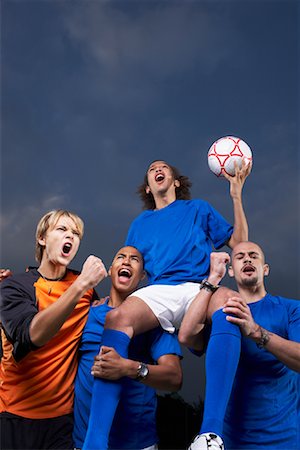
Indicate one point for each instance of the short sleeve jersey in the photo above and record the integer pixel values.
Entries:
(176, 241)
(37, 382)
(134, 425)
(262, 411)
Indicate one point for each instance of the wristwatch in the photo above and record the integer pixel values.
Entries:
(142, 371)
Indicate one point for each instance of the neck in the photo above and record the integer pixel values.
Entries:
(252, 293)
(51, 271)
(163, 200)
(116, 298)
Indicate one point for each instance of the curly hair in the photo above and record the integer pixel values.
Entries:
(182, 191)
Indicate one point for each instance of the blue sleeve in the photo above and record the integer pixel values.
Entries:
(164, 343)
(219, 229)
(131, 238)
(294, 320)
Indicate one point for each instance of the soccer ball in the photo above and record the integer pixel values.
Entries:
(224, 152)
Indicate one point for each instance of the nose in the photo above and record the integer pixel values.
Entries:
(69, 234)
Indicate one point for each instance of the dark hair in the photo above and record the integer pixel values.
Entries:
(182, 192)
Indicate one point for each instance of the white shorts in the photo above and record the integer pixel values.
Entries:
(152, 447)
(168, 302)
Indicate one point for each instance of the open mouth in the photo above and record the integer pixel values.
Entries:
(248, 269)
(67, 248)
(159, 177)
(124, 273)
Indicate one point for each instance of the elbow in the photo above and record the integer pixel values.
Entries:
(184, 338)
(174, 377)
(176, 382)
(236, 238)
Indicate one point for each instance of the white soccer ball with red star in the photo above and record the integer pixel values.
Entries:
(225, 152)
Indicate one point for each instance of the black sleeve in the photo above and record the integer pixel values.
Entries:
(17, 308)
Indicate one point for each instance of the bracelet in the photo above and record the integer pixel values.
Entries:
(264, 338)
(205, 284)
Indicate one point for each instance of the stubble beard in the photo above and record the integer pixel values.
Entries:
(250, 282)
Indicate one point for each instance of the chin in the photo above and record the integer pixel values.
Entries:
(250, 281)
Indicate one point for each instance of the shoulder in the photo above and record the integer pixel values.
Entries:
(22, 281)
(288, 303)
(99, 302)
(163, 342)
(278, 299)
(140, 218)
(194, 203)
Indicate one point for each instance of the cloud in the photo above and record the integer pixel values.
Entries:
(155, 40)
(17, 229)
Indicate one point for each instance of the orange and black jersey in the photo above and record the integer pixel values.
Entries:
(37, 382)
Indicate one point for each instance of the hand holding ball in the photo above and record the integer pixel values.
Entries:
(224, 152)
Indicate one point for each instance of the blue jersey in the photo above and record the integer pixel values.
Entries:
(262, 411)
(176, 241)
(134, 425)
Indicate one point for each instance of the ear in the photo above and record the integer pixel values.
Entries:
(109, 271)
(176, 183)
(147, 190)
(266, 270)
(230, 271)
(143, 276)
(42, 241)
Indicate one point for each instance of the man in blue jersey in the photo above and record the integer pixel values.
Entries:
(262, 409)
(154, 364)
(175, 236)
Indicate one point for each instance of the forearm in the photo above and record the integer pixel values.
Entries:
(286, 351)
(240, 228)
(165, 376)
(192, 325)
(46, 323)
(191, 328)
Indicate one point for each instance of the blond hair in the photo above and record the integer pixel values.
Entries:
(49, 220)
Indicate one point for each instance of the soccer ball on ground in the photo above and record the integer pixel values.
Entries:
(224, 152)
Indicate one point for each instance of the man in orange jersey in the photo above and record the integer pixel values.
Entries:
(43, 312)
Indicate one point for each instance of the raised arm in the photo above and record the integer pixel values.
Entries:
(240, 228)
(45, 324)
(286, 351)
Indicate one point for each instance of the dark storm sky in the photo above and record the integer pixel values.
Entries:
(92, 91)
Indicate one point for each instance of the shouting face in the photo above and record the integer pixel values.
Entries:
(248, 264)
(127, 270)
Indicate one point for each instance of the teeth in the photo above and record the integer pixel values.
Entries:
(67, 248)
(125, 273)
(159, 177)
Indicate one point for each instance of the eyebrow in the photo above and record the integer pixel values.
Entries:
(159, 163)
(131, 255)
(243, 253)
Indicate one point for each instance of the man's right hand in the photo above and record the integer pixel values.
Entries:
(93, 271)
(218, 263)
